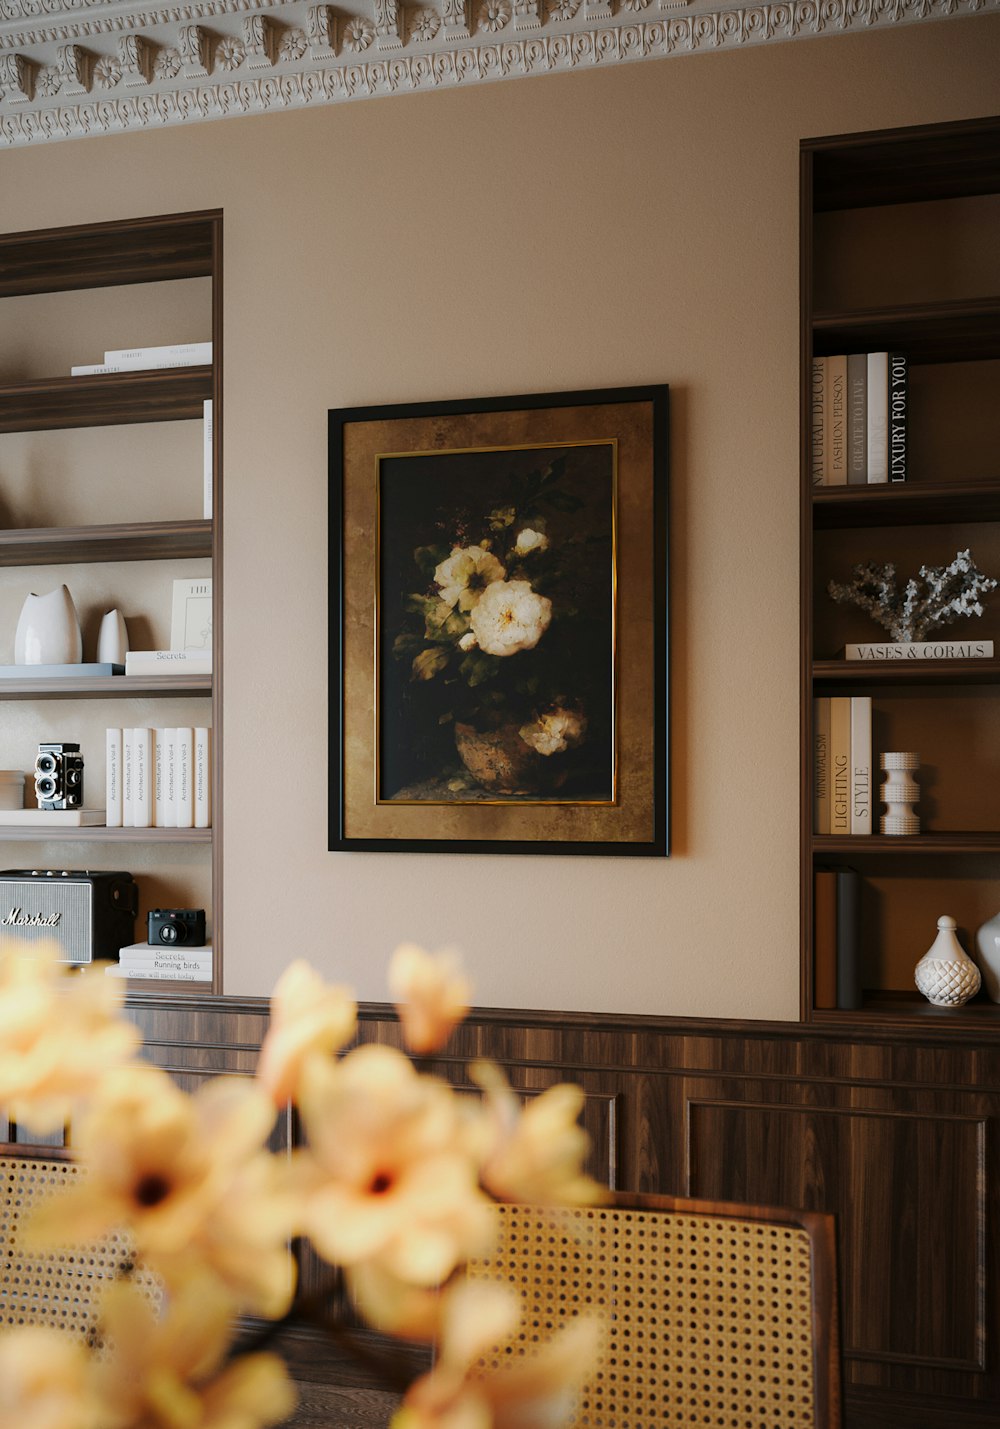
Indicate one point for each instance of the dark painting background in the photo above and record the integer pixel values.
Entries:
(444, 499)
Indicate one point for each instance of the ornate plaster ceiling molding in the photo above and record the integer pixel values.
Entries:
(70, 68)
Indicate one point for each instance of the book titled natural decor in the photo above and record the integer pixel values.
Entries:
(938, 596)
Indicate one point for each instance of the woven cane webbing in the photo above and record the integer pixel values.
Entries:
(708, 1319)
(58, 1288)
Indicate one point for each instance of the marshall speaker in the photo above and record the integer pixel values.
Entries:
(91, 915)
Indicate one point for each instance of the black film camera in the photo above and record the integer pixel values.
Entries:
(177, 927)
(59, 776)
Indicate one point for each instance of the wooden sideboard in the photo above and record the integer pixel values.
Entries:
(895, 1131)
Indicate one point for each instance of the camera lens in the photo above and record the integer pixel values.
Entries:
(45, 787)
(46, 764)
(171, 933)
(72, 776)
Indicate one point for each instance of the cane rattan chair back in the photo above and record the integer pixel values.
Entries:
(716, 1315)
(57, 1288)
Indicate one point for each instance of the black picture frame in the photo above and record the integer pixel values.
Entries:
(590, 700)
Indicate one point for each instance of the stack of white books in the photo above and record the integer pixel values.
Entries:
(136, 359)
(147, 961)
(159, 778)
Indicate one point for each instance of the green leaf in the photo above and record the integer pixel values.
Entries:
(429, 662)
(428, 558)
(405, 644)
(477, 667)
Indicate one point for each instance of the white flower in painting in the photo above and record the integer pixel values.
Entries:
(558, 730)
(468, 641)
(465, 574)
(529, 540)
(510, 616)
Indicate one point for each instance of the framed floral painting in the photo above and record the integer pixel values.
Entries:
(498, 625)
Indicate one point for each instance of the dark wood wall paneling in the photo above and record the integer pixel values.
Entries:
(895, 1135)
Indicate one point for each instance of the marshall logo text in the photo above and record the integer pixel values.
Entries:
(17, 918)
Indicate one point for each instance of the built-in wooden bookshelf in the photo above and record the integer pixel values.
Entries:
(908, 222)
(153, 250)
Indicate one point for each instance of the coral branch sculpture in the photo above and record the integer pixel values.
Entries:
(938, 597)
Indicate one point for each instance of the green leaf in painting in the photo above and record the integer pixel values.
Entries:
(429, 662)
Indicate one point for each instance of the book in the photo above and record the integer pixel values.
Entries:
(207, 460)
(128, 778)
(183, 781)
(130, 951)
(202, 769)
(168, 662)
(166, 974)
(52, 672)
(198, 353)
(825, 938)
(142, 782)
(848, 938)
(170, 778)
(817, 408)
(159, 782)
(861, 764)
(898, 415)
(878, 417)
(52, 818)
(113, 778)
(840, 764)
(97, 369)
(821, 765)
(835, 403)
(191, 615)
(921, 650)
(857, 419)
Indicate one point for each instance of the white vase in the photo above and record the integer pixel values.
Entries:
(988, 943)
(946, 975)
(48, 630)
(112, 639)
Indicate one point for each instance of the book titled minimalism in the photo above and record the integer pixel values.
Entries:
(922, 650)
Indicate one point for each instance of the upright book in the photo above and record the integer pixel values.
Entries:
(861, 764)
(857, 419)
(878, 417)
(836, 420)
(840, 764)
(898, 415)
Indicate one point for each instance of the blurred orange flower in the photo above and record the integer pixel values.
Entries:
(534, 1153)
(45, 1381)
(308, 1018)
(60, 1033)
(388, 1174)
(431, 995)
(188, 1176)
(164, 1372)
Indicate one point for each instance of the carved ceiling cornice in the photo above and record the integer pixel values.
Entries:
(70, 68)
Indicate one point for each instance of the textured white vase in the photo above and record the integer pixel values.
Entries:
(988, 943)
(946, 975)
(112, 639)
(48, 630)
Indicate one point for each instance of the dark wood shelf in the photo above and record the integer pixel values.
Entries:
(97, 833)
(910, 845)
(892, 1008)
(905, 672)
(165, 394)
(905, 504)
(905, 166)
(103, 687)
(143, 250)
(926, 332)
(130, 541)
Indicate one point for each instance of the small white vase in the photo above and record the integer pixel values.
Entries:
(946, 975)
(988, 943)
(112, 639)
(48, 630)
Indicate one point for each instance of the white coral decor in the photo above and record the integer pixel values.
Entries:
(510, 616)
(947, 593)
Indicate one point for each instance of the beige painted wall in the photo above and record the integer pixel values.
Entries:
(635, 224)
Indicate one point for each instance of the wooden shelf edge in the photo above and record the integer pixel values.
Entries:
(909, 845)
(906, 672)
(152, 394)
(925, 313)
(105, 687)
(99, 833)
(125, 541)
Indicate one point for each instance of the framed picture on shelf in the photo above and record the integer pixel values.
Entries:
(191, 615)
(498, 625)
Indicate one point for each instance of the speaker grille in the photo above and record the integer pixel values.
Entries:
(41, 898)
